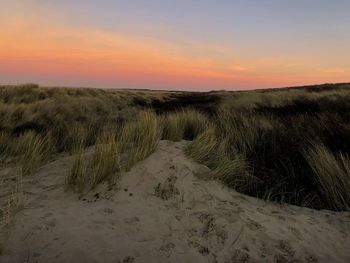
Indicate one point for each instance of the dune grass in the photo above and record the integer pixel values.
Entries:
(256, 142)
(183, 124)
(131, 143)
(76, 178)
(105, 164)
(331, 174)
(115, 150)
(6, 147)
(236, 174)
(138, 139)
(60, 110)
(261, 153)
(232, 169)
(33, 150)
(206, 148)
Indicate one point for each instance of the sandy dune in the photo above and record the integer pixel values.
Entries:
(164, 213)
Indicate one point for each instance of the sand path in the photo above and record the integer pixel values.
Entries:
(164, 213)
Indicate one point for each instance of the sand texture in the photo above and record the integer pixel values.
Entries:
(163, 212)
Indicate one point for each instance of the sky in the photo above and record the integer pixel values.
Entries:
(179, 45)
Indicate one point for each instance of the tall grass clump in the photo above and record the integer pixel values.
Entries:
(206, 148)
(331, 176)
(174, 127)
(233, 169)
(33, 150)
(76, 179)
(6, 146)
(105, 164)
(185, 124)
(236, 174)
(242, 130)
(138, 139)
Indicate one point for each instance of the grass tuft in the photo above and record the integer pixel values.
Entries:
(185, 124)
(33, 150)
(331, 175)
(105, 164)
(76, 178)
(138, 139)
(206, 149)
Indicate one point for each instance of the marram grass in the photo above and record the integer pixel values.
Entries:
(331, 175)
(138, 139)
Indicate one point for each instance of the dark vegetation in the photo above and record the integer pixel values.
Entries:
(204, 102)
(289, 145)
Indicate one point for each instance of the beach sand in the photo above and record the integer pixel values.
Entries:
(163, 212)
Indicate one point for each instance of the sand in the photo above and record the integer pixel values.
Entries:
(163, 212)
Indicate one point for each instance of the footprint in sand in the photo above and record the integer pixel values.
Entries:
(254, 226)
(167, 248)
(240, 256)
(212, 229)
(285, 247)
(47, 215)
(107, 210)
(167, 189)
(295, 232)
(128, 259)
(51, 223)
(132, 220)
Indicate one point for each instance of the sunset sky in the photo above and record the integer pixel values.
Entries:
(175, 44)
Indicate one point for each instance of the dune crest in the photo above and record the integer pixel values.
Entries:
(163, 212)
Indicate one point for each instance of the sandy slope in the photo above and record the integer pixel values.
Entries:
(164, 213)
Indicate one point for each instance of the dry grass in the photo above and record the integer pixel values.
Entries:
(105, 165)
(234, 170)
(255, 144)
(76, 178)
(138, 139)
(331, 175)
(206, 148)
(235, 173)
(33, 150)
(185, 124)
(6, 147)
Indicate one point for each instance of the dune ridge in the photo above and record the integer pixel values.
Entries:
(163, 211)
